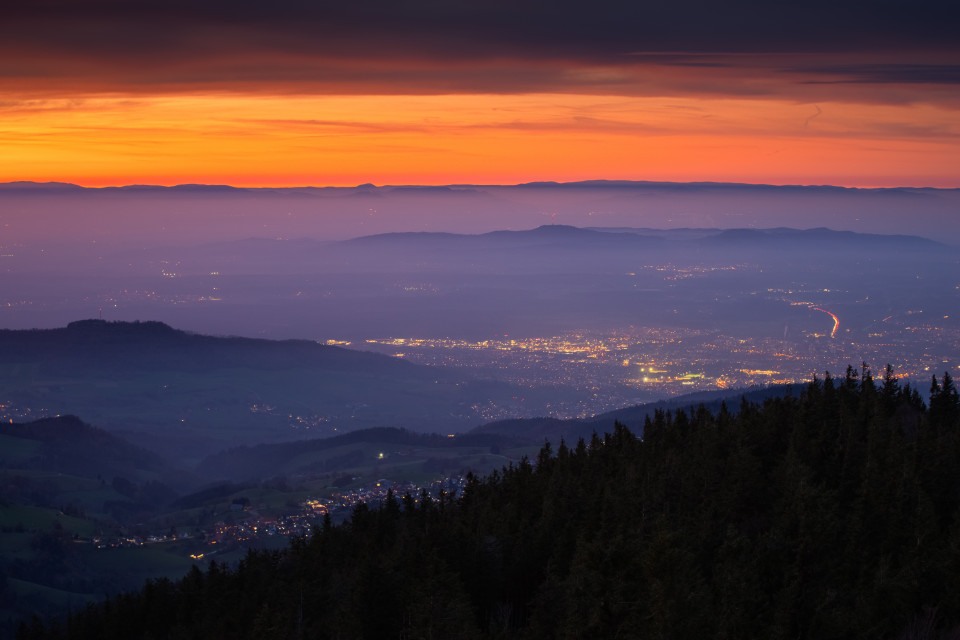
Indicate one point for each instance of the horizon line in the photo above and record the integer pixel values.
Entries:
(595, 182)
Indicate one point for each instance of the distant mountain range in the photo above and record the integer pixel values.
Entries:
(189, 213)
(186, 395)
(566, 236)
(59, 187)
(554, 248)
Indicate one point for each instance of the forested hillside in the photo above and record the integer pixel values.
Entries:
(833, 514)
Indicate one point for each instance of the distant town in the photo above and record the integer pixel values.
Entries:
(242, 524)
(639, 364)
(633, 365)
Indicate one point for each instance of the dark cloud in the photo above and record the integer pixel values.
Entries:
(483, 28)
(490, 45)
(886, 73)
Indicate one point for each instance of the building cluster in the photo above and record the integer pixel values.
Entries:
(640, 364)
(246, 527)
(13, 412)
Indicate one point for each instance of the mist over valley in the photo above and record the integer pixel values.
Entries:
(214, 370)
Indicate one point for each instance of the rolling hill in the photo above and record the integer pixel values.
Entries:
(185, 395)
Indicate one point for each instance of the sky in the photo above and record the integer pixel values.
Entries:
(290, 93)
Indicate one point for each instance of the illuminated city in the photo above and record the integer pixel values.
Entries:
(640, 364)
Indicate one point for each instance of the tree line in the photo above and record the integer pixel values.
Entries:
(832, 513)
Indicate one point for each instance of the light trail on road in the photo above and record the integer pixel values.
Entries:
(836, 320)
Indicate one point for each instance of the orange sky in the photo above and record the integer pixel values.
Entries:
(252, 105)
(100, 140)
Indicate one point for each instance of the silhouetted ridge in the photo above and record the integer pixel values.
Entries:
(41, 187)
(93, 327)
(819, 238)
(151, 343)
(69, 445)
(547, 236)
(263, 460)
(536, 430)
(194, 189)
(571, 238)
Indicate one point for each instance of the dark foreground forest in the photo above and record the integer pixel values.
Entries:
(829, 515)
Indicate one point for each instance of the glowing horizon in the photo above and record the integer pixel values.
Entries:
(286, 141)
(107, 93)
